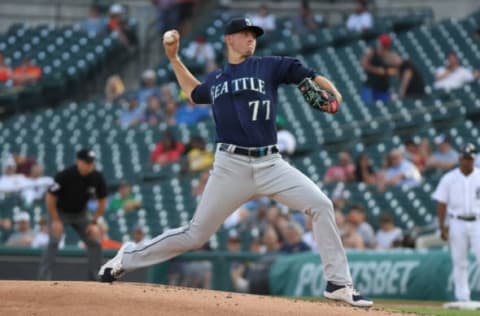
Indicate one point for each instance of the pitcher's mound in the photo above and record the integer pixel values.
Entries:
(90, 298)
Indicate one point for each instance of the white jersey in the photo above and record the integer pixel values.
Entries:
(461, 193)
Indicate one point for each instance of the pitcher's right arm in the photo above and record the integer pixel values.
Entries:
(185, 78)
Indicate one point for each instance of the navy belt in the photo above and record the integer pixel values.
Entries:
(468, 218)
(249, 152)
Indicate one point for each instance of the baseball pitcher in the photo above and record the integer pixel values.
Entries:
(247, 164)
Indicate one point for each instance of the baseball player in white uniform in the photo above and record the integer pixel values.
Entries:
(247, 164)
(458, 207)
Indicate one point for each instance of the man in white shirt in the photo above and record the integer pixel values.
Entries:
(10, 181)
(286, 141)
(400, 171)
(444, 157)
(264, 19)
(361, 20)
(388, 236)
(453, 75)
(201, 52)
(458, 202)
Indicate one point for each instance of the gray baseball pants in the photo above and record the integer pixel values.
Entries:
(234, 180)
(80, 223)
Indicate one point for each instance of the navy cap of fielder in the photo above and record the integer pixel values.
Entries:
(86, 154)
(240, 24)
(468, 151)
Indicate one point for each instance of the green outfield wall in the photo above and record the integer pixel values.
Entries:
(397, 274)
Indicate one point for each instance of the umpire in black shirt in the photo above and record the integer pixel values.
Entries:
(66, 202)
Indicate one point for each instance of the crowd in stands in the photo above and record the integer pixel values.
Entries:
(116, 21)
(24, 74)
(157, 106)
(174, 14)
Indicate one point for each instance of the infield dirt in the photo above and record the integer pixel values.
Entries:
(133, 299)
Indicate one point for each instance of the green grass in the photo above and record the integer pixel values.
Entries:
(412, 306)
(433, 311)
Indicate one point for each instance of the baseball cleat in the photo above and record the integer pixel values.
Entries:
(112, 270)
(347, 294)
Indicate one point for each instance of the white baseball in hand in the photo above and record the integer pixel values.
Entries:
(169, 37)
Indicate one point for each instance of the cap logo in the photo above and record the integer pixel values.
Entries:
(91, 153)
(248, 22)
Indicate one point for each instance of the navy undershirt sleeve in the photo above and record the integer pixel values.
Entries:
(200, 94)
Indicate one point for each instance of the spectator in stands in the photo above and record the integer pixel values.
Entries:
(198, 157)
(304, 22)
(138, 234)
(412, 84)
(132, 114)
(190, 114)
(114, 88)
(200, 186)
(292, 235)
(148, 87)
(166, 93)
(153, 113)
(233, 241)
(37, 186)
(416, 154)
(169, 113)
(340, 196)
(27, 73)
(168, 150)
(124, 199)
(351, 239)
(167, 15)
(308, 234)
(24, 164)
(286, 142)
(361, 20)
(364, 171)
(343, 171)
(399, 172)
(105, 241)
(5, 70)
(5, 229)
(264, 19)
(95, 24)
(444, 157)
(10, 181)
(357, 217)
(253, 277)
(40, 240)
(339, 219)
(270, 240)
(201, 52)
(388, 236)
(380, 63)
(118, 24)
(23, 235)
(453, 75)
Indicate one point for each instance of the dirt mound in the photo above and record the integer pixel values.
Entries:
(89, 298)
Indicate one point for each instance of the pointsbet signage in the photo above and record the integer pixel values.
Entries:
(400, 274)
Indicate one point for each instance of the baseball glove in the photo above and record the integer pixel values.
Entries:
(318, 98)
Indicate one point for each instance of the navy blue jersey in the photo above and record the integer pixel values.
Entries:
(244, 98)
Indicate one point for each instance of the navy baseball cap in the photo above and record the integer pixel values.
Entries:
(468, 151)
(239, 24)
(86, 154)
